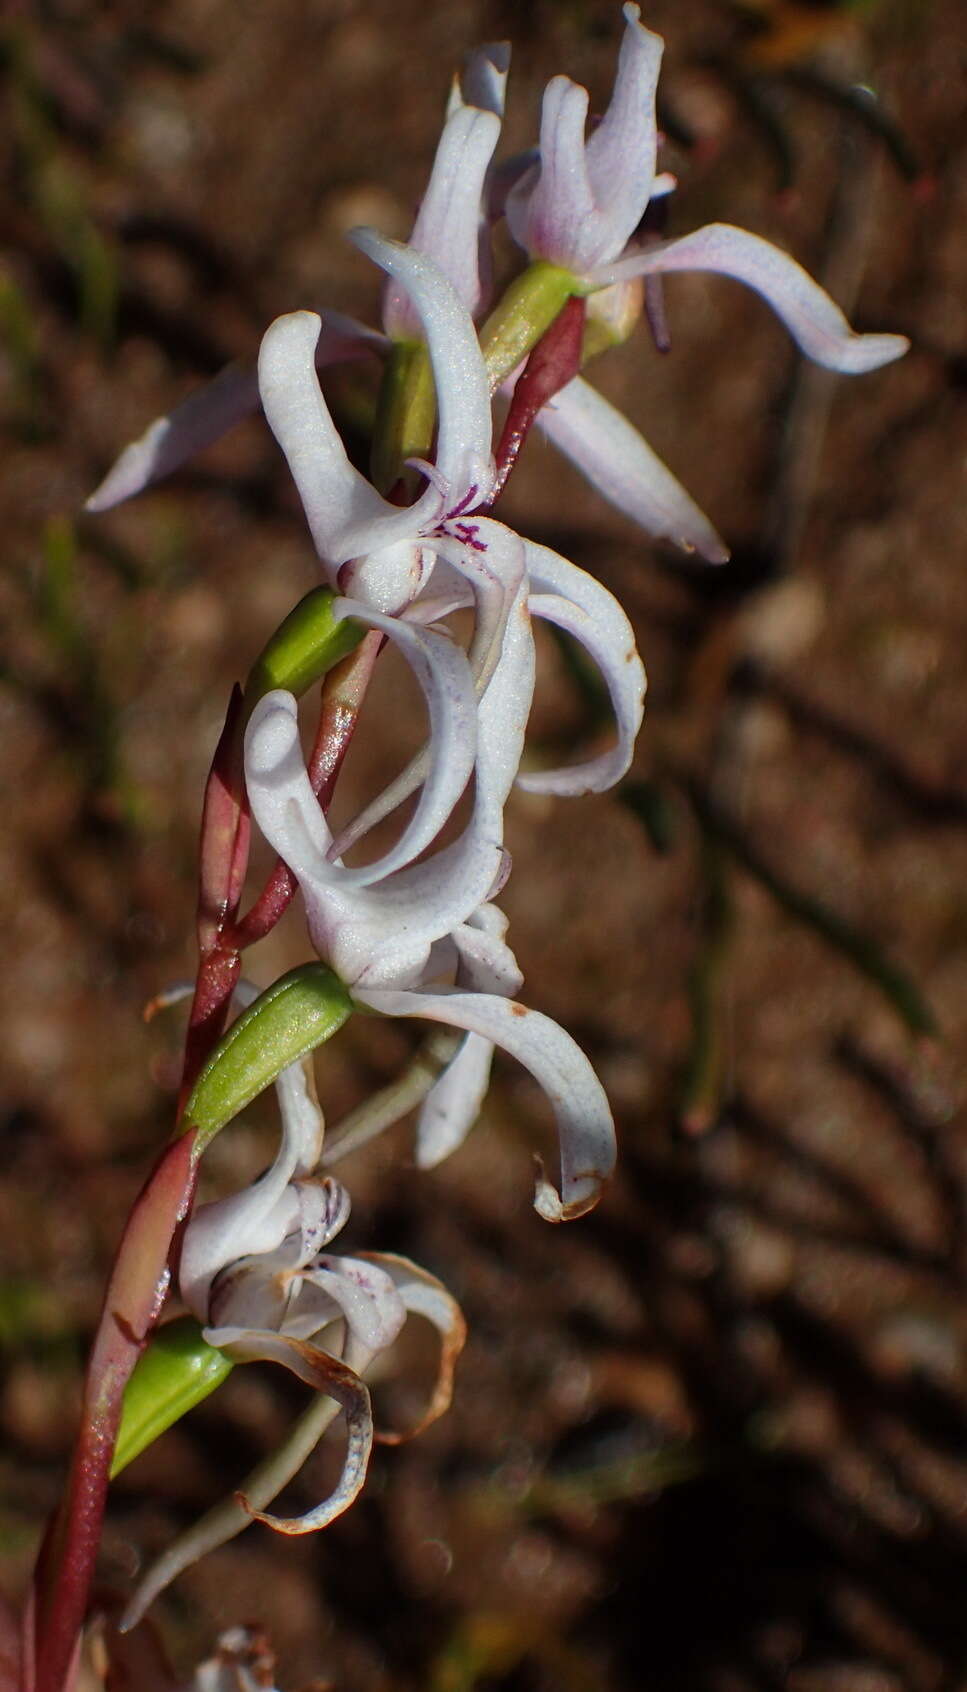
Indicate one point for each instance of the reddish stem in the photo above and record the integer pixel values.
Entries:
(555, 361)
(141, 1274)
(225, 830)
(135, 1294)
(218, 973)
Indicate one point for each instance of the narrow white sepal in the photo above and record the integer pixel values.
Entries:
(814, 321)
(210, 411)
(616, 459)
(448, 224)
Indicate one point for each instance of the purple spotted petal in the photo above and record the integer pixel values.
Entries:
(351, 1288)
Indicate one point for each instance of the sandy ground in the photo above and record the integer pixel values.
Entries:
(713, 1436)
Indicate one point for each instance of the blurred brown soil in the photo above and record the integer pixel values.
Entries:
(713, 1436)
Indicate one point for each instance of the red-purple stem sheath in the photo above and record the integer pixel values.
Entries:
(135, 1294)
(554, 361)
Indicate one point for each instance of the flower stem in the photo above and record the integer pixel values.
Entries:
(132, 1303)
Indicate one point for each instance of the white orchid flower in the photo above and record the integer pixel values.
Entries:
(581, 201)
(378, 928)
(347, 517)
(256, 1272)
(579, 206)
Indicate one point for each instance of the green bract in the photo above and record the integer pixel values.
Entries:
(297, 1013)
(307, 644)
(178, 1370)
(525, 313)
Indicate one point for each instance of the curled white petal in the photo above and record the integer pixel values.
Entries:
(383, 931)
(444, 675)
(463, 457)
(576, 602)
(327, 1375)
(584, 1121)
(621, 465)
(345, 514)
(361, 1293)
(505, 707)
(491, 560)
(229, 1517)
(424, 1295)
(485, 964)
(814, 321)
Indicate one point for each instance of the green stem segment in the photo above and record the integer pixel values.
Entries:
(524, 314)
(405, 413)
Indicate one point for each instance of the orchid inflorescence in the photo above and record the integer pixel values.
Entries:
(416, 932)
